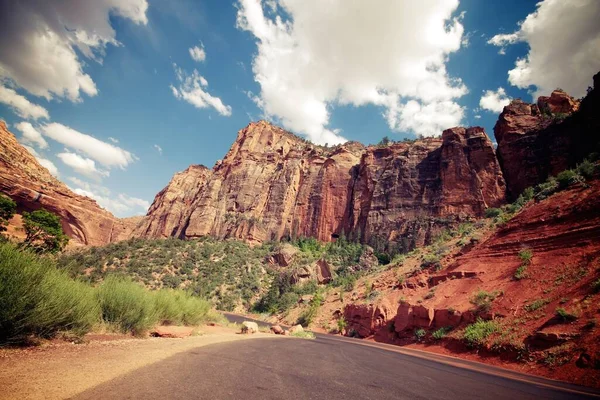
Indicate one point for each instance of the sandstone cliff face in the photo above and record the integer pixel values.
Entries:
(29, 184)
(172, 206)
(402, 190)
(273, 185)
(539, 140)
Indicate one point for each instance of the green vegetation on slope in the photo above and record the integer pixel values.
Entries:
(39, 300)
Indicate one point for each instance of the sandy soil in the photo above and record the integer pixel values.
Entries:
(59, 370)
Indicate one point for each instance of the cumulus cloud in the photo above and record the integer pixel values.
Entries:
(197, 53)
(122, 205)
(20, 105)
(31, 135)
(112, 139)
(44, 162)
(494, 101)
(353, 52)
(82, 165)
(158, 148)
(564, 43)
(105, 153)
(41, 41)
(192, 88)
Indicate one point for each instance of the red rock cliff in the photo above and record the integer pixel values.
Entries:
(29, 184)
(273, 185)
(539, 140)
(401, 191)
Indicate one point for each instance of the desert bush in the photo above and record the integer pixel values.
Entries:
(526, 255)
(38, 299)
(420, 334)
(441, 333)
(7, 209)
(483, 300)
(521, 273)
(586, 169)
(535, 305)
(431, 260)
(564, 315)
(476, 333)
(126, 305)
(567, 178)
(493, 212)
(303, 335)
(310, 313)
(341, 325)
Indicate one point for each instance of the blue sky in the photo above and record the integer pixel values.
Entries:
(129, 80)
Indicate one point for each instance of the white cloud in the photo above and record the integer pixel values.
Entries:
(44, 162)
(82, 165)
(477, 116)
(31, 135)
(192, 88)
(107, 154)
(353, 52)
(20, 105)
(90, 187)
(122, 205)
(41, 41)
(197, 53)
(112, 139)
(159, 149)
(494, 101)
(564, 47)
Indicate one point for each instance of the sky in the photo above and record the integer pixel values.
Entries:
(115, 96)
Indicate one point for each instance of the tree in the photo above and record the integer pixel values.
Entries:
(385, 141)
(44, 232)
(7, 210)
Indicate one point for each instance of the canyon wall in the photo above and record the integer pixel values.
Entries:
(32, 186)
(273, 185)
(539, 140)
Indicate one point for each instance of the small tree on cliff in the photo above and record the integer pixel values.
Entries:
(7, 210)
(44, 232)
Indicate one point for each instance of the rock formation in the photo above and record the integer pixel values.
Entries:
(273, 185)
(539, 140)
(29, 184)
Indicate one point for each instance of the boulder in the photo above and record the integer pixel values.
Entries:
(296, 329)
(323, 270)
(278, 330)
(284, 255)
(249, 327)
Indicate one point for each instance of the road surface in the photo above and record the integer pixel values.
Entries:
(328, 367)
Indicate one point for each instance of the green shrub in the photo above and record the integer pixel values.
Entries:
(309, 315)
(493, 212)
(586, 169)
(526, 255)
(476, 334)
(564, 315)
(521, 273)
(341, 324)
(127, 305)
(441, 333)
(483, 300)
(567, 178)
(303, 335)
(431, 260)
(176, 307)
(420, 334)
(536, 305)
(37, 299)
(544, 190)
(7, 209)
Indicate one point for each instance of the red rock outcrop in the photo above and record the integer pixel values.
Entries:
(172, 206)
(29, 184)
(273, 185)
(539, 140)
(403, 189)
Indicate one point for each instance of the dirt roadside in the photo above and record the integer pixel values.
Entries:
(62, 370)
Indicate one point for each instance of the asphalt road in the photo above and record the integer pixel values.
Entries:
(325, 368)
